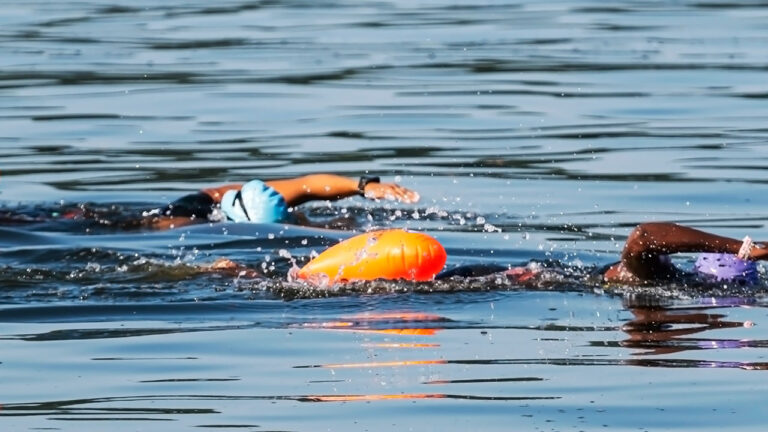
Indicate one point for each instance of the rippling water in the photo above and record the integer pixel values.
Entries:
(533, 130)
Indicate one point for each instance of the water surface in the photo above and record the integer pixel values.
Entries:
(533, 131)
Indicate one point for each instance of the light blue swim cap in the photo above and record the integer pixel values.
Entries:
(727, 267)
(254, 202)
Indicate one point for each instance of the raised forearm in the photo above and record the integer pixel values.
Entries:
(668, 238)
(299, 190)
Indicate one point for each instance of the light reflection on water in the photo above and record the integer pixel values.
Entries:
(244, 372)
(533, 131)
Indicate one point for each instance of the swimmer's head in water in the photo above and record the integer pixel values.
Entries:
(727, 268)
(254, 202)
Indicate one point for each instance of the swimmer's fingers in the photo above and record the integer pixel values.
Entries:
(224, 264)
(390, 191)
(759, 252)
(520, 274)
(229, 267)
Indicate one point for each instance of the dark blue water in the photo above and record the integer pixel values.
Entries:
(533, 131)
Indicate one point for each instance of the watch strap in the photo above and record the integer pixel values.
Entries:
(364, 180)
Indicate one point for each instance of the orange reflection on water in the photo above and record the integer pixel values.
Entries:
(382, 364)
(353, 323)
(400, 345)
(402, 316)
(348, 326)
(407, 331)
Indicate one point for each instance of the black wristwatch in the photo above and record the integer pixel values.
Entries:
(364, 180)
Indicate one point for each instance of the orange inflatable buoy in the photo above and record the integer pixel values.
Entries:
(389, 254)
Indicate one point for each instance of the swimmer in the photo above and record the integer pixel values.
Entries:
(646, 255)
(269, 201)
(646, 258)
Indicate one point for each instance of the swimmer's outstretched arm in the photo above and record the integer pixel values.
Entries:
(649, 242)
(324, 187)
(333, 187)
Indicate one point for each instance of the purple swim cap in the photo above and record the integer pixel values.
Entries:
(727, 267)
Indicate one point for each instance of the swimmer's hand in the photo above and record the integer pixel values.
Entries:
(752, 251)
(521, 274)
(390, 191)
(229, 267)
(759, 252)
(224, 264)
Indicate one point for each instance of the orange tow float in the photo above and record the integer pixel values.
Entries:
(389, 254)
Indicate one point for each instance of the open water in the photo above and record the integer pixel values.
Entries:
(534, 131)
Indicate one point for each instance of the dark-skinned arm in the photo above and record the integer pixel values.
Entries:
(644, 254)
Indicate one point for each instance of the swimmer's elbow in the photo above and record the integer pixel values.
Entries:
(634, 244)
(645, 238)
